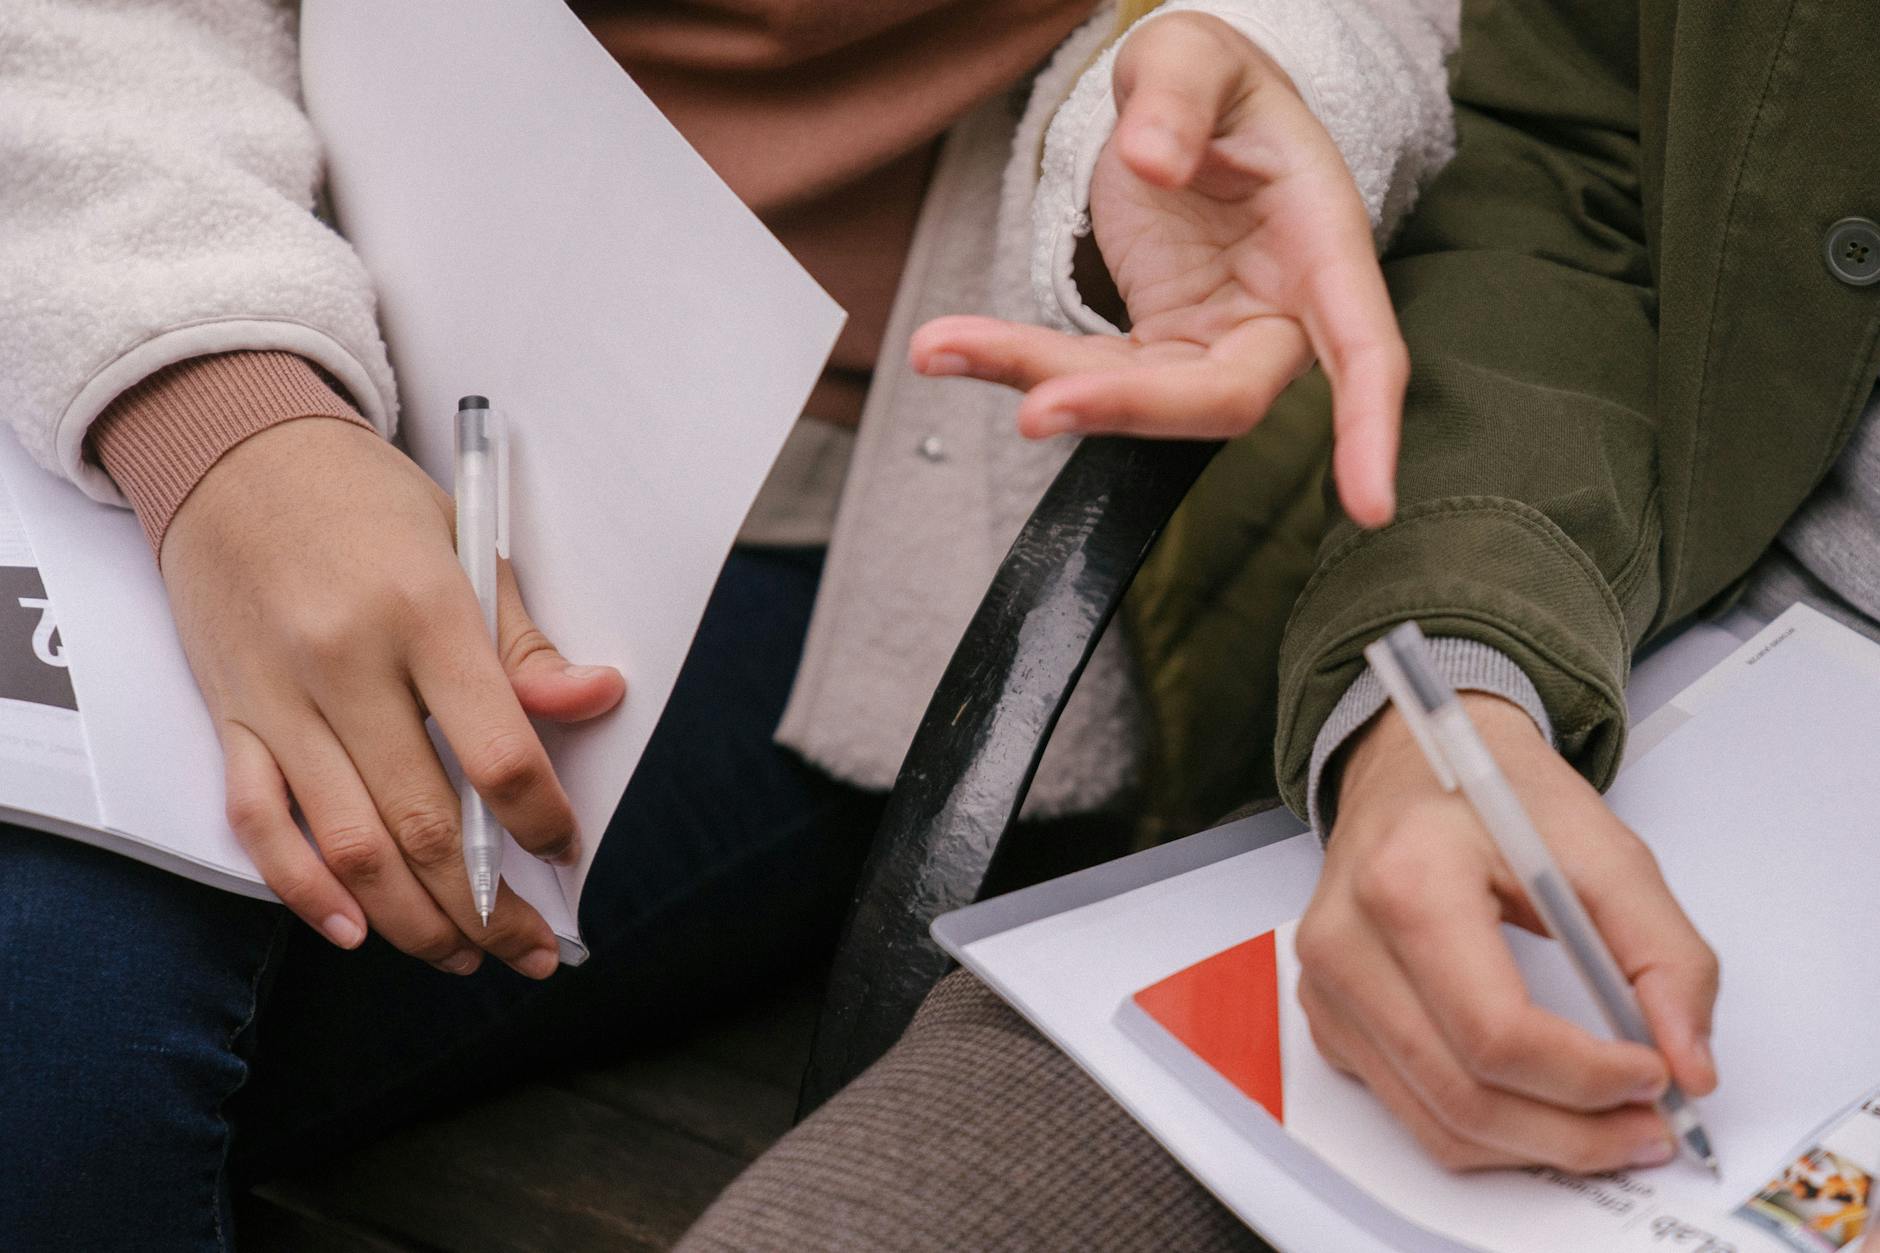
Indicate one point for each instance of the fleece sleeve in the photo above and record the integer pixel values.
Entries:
(1373, 71)
(157, 184)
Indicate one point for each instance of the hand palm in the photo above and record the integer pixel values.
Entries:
(1207, 267)
(1241, 249)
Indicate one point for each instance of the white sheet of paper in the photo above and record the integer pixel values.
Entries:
(1760, 806)
(541, 235)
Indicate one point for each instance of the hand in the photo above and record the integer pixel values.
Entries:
(315, 585)
(1241, 248)
(1408, 985)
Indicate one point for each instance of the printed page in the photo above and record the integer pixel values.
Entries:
(539, 234)
(1759, 807)
(155, 764)
(45, 768)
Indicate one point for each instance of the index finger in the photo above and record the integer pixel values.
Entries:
(1353, 332)
(462, 682)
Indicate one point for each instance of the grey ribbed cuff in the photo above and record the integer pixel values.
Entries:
(1469, 666)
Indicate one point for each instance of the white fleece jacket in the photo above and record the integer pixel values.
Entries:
(158, 185)
(157, 192)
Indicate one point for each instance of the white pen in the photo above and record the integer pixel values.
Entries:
(1456, 753)
(482, 491)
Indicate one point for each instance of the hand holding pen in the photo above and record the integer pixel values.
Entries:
(1409, 985)
(316, 591)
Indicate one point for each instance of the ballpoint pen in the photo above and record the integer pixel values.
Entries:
(1459, 757)
(482, 490)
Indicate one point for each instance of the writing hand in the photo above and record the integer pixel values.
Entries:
(1409, 986)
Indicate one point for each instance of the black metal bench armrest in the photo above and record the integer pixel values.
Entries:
(972, 759)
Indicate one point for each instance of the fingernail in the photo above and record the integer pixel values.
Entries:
(583, 672)
(1646, 1093)
(540, 964)
(945, 363)
(459, 963)
(1055, 422)
(1655, 1152)
(343, 931)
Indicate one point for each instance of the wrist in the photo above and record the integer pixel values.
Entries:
(160, 438)
(1384, 761)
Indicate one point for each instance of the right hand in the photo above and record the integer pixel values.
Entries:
(1409, 986)
(314, 582)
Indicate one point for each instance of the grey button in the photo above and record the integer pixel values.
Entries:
(1853, 251)
(932, 449)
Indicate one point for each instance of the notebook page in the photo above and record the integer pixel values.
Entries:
(1760, 808)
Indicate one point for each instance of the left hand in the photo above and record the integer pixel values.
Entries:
(1242, 250)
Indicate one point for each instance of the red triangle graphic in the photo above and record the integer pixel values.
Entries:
(1226, 1010)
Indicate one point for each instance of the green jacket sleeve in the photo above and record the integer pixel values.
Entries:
(1528, 515)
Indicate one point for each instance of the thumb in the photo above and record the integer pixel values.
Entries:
(1174, 79)
(547, 684)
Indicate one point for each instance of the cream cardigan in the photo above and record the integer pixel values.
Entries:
(158, 186)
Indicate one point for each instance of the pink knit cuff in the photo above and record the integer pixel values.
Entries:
(160, 437)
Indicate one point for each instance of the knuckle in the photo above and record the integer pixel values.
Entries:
(355, 852)
(1489, 1043)
(1313, 943)
(1709, 969)
(297, 887)
(1392, 884)
(1450, 1153)
(525, 644)
(510, 937)
(428, 833)
(329, 639)
(433, 943)
(248, 814)
(507, 767)
(1464, 1107)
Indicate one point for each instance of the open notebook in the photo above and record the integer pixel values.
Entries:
(1756, 790)
(651, 343)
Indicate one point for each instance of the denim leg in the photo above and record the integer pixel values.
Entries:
(125, 997)
(728, 863)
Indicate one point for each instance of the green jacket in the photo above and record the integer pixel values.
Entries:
(1631, 361)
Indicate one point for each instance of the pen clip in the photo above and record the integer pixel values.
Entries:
(499, 439)
(1403, 695)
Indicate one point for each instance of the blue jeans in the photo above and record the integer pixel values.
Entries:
(162, 1044)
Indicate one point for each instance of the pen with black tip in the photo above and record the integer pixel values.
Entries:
(482, 491)
(1456, 753)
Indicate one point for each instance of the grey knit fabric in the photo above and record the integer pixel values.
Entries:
(973, 1133)
(1467, 665)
